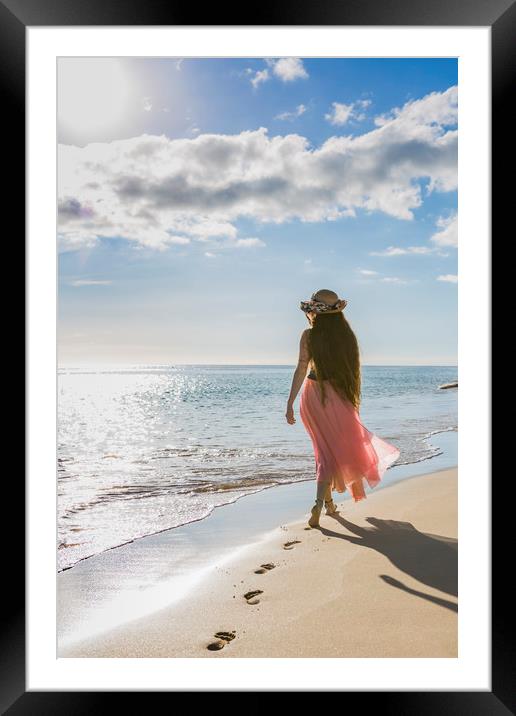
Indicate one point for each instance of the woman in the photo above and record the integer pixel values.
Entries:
(346, 452)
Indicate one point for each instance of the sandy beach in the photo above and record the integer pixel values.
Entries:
(377, 579)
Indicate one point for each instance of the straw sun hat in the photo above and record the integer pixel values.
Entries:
(323, 301)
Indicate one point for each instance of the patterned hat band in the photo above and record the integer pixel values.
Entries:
(313, 306)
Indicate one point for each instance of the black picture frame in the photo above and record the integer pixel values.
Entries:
(500, 16)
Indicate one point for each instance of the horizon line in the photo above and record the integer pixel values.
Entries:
(285, 365)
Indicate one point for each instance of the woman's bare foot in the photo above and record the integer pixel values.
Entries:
(331, 507)
(316, 513)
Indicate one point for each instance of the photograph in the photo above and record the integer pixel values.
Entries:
(249, 302)
(257, 357)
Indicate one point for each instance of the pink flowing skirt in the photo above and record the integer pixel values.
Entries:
(346, 452)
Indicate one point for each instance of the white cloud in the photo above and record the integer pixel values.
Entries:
(147, 106)
(420, 250)
(76, 240)
(209, 228)
(342, 113)
(179, 63)
(399, 251)
(234, 243)
(299, 110)
(363, 104)
(178, 240)
(449, 277)
(376, 276)
(288, 68)
(438, 107)
(209, 254)
(389, 251)
(393, 279)
(448, 231)
(89, 282)
(446, 236)
(259, 77)
(249, 242)
(150, 188)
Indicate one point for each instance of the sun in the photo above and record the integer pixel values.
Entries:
(92, 94)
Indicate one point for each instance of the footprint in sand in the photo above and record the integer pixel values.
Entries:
(264, 568)
(223, 638)
(290, 545)
(250, 596)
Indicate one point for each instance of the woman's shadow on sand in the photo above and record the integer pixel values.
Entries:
(429, 558)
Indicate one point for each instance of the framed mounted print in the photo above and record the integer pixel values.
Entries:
(258, 262)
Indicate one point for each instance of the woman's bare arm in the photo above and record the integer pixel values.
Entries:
(299, 374)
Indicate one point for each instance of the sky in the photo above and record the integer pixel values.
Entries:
(199, 200)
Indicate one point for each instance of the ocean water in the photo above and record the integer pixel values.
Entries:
(143, 448)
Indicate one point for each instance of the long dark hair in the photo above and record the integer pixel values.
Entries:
(335, 355)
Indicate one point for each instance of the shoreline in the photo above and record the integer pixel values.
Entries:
(384, 482)
(137, 584)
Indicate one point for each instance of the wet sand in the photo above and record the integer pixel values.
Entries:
(376, 579)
